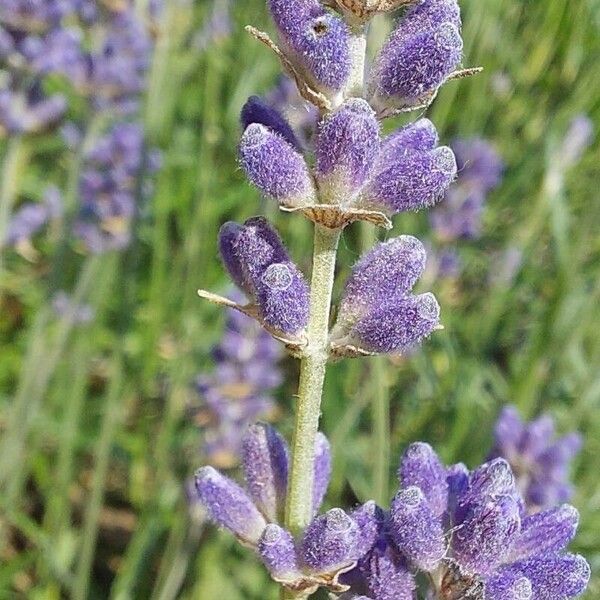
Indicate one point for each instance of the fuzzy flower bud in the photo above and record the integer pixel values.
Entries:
(259, 264)
(346, 149)
(278, 553)
(275, 167)
(322, 470)
(315, 41)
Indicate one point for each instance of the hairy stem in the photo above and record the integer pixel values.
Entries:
(299, 509)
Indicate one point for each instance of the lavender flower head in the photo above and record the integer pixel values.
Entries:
(109, 186)
(330, 545)
(539, 460)
(239, 389)
(468, 532)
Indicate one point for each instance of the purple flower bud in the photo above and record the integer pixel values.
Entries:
(421, 467)
(316, 41)
(428, 14)
(417, 180)
(416, 530)
(492, 479)
(322, 470)
(275, 167)
(458, 484)
(547, 532)
(398, 326)
(389, 270)
(554, 576)
(369, 518)
(331, 542)
(346, 149)
(508, 586)
(258, 111)
(278, 553)
(486, 535)
(411, 66)
(229, 506)
(265, 462)
(388, 576)
(259, 264)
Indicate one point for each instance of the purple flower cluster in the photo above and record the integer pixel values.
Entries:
(110, 185)
(329, 546)
(479, 172)
(538, 459)
(420, 54)
(468, 532)
(238, 391)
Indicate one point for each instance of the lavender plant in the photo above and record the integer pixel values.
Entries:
(463, 534)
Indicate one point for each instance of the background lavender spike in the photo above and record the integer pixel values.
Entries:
(239, 390)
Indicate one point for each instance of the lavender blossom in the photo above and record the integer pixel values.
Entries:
(259, 264)
(481, 545)
(315, 41)
(109, 186)
(239, 390)
(30, 218)
(419, 55)
(377, 312)
(539, 460)
(64, 306)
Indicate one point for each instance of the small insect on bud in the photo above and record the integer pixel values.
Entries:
(315, 41)
(275, 167)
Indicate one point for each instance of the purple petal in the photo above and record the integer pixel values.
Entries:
(277, 551)
(258, 111)
(388, 576)
(508, 586)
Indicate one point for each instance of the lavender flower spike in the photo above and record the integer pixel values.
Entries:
(315, 41)
(259, 264)
(275, 167)
(229, 506)
(541, 463)
(418, 56)
(346, 149)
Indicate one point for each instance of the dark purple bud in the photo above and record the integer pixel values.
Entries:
(415, 181)
(416, 530)
(265, 463)
(346, 149)
(278, 553)
(421, 467)
(410, 67)
(331, 542)
(229, 506)
(554, 576)
(486, 535)
(388, 576)
(508, 586)
(275, 167)
(398, 326)
(258, 111)
(369, 518)
(458, 484)
(259, 264)
(322, 470)
(547, 532)
(390, 269)
(316, 41)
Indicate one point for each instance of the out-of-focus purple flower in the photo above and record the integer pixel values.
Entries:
(109, 186)
(34, 15)
(260, 266)
(419, 55)
(377, 311)
(479, 172)
(480, 545)
(29, 113)
(539, 460)
(316, 42)
(217, 26)
(239, 390)
(64, 306)
(32, 216)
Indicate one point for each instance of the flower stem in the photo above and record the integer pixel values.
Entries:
(299, 509)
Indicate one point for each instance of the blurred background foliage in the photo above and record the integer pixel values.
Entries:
(97, 506)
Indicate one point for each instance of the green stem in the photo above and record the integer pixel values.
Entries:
(299, 510)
